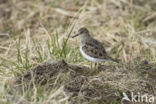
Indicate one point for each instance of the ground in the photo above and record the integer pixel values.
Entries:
(36, 34)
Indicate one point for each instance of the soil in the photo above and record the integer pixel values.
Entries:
(93, 87)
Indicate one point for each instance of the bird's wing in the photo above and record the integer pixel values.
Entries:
(95, 49)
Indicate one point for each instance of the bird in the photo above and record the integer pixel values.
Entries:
(91, 49)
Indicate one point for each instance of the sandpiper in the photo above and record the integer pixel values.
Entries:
(92, 49)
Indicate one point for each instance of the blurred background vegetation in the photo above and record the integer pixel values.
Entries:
(33, 31)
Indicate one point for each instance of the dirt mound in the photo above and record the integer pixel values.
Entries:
(106, 86)
(42, 73)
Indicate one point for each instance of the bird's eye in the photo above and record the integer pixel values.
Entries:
(81, 32)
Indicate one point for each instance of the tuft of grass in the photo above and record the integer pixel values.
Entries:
(64, 50)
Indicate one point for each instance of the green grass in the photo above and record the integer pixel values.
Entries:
(35, 94)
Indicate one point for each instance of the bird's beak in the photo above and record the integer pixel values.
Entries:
(75, 35)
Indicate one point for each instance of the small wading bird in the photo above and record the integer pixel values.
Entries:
(92, 49)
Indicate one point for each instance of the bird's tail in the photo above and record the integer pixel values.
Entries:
(114, 60)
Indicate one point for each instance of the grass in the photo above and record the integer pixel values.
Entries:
(40, 30)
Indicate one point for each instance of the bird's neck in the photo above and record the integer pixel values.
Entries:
(84, 38)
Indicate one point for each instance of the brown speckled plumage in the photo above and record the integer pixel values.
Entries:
(91, 47)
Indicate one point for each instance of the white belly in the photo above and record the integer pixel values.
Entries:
(95, 60)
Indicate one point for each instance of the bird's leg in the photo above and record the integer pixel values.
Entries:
(96, 68)
(95, 65)
(92, 69)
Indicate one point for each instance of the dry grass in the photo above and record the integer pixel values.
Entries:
(34, 31)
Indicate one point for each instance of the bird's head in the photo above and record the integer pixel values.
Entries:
(82, 32)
